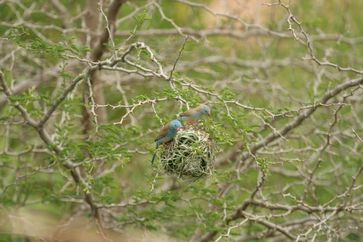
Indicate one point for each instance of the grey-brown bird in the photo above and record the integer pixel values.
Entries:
(193, 115)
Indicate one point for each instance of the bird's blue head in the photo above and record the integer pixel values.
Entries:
(204, 109)
(175, 124)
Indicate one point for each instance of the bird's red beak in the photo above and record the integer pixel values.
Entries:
(178, 129)
(209, 114)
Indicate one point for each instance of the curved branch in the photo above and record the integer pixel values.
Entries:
(239, 212)
(295, 123)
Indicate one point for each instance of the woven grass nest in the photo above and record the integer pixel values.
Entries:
(190, 154)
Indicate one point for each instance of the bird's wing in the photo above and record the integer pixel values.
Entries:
(189, 113)
(163, 132)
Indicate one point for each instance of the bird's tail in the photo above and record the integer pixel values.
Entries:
(154, 156)
(181, 119)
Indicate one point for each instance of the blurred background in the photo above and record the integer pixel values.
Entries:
(87, 85)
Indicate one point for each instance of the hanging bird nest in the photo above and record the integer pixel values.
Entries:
(190, 154)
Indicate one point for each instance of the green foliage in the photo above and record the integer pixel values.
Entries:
(140, 19)
(257, 79)
(262, 164)
(27, 39)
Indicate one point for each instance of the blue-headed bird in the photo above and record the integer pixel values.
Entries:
(193, 115)
(167, 134)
